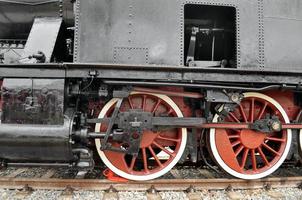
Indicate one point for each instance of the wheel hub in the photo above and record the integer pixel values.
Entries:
(251, 139)
(148, 138)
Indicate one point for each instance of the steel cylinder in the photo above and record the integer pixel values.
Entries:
(36, 143)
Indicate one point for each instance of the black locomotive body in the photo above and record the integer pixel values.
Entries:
(144, 85)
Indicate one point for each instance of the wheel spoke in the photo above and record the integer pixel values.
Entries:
(233, 136)
(276, 139)
(243, 113)
(238, 150)
(145, 159)
(270, 149)
(168, 139)
(170, 111)
(263, 156)
(144, 102)
(130, 102)
(132, 162)
(262, 110)
(235, 143)
(234, 117)
(163, 149)
(156, 105)
(252, 110)
(254, 162)
(155, 156)
(244, 158)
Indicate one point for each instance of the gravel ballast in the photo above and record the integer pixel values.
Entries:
(284, 193)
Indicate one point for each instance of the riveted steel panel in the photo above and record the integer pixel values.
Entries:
(283, 28)
(130, 55)
(108, 26)
(157, 25)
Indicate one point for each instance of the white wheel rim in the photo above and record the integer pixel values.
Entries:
(150, 176)
(229, 170)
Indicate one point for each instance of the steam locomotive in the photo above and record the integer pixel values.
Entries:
(140, 86)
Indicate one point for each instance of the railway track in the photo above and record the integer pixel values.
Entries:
(179, 179)
(157, 185)
(27, 180)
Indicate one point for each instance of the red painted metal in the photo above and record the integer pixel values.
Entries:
(111, 176)
(152, 142)
(239, 148)
(186, 109)
(245, 125)
(226, 125)
(286, 100)
(194, 95)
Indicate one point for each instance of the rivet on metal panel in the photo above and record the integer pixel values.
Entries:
(61, 8)
(261, 32)
(130, 23)
(76, 32)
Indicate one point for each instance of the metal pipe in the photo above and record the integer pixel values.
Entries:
(170, 93)
(192, 85)
(213, 48)
(95, 135)
(28, 3)
(39, 164)
(213, 44)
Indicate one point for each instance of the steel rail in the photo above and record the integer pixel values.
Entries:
(159, 185)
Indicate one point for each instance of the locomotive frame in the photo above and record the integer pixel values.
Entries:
(174, 93)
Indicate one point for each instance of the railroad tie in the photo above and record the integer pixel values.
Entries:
(206, 173)
(111, 194)
(152, 194)
(175, 173)
(275, 195)
(49, 173)
(16, 172)
(192, 194)
(235, 195)
(67, 193)
(24, 192)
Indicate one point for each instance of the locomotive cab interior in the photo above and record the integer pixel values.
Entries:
(210, 36)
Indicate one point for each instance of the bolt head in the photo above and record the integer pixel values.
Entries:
(276, 126)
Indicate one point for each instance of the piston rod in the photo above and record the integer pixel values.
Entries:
(177, 122)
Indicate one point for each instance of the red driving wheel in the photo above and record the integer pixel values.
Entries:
(158, 152)
(246, 153)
